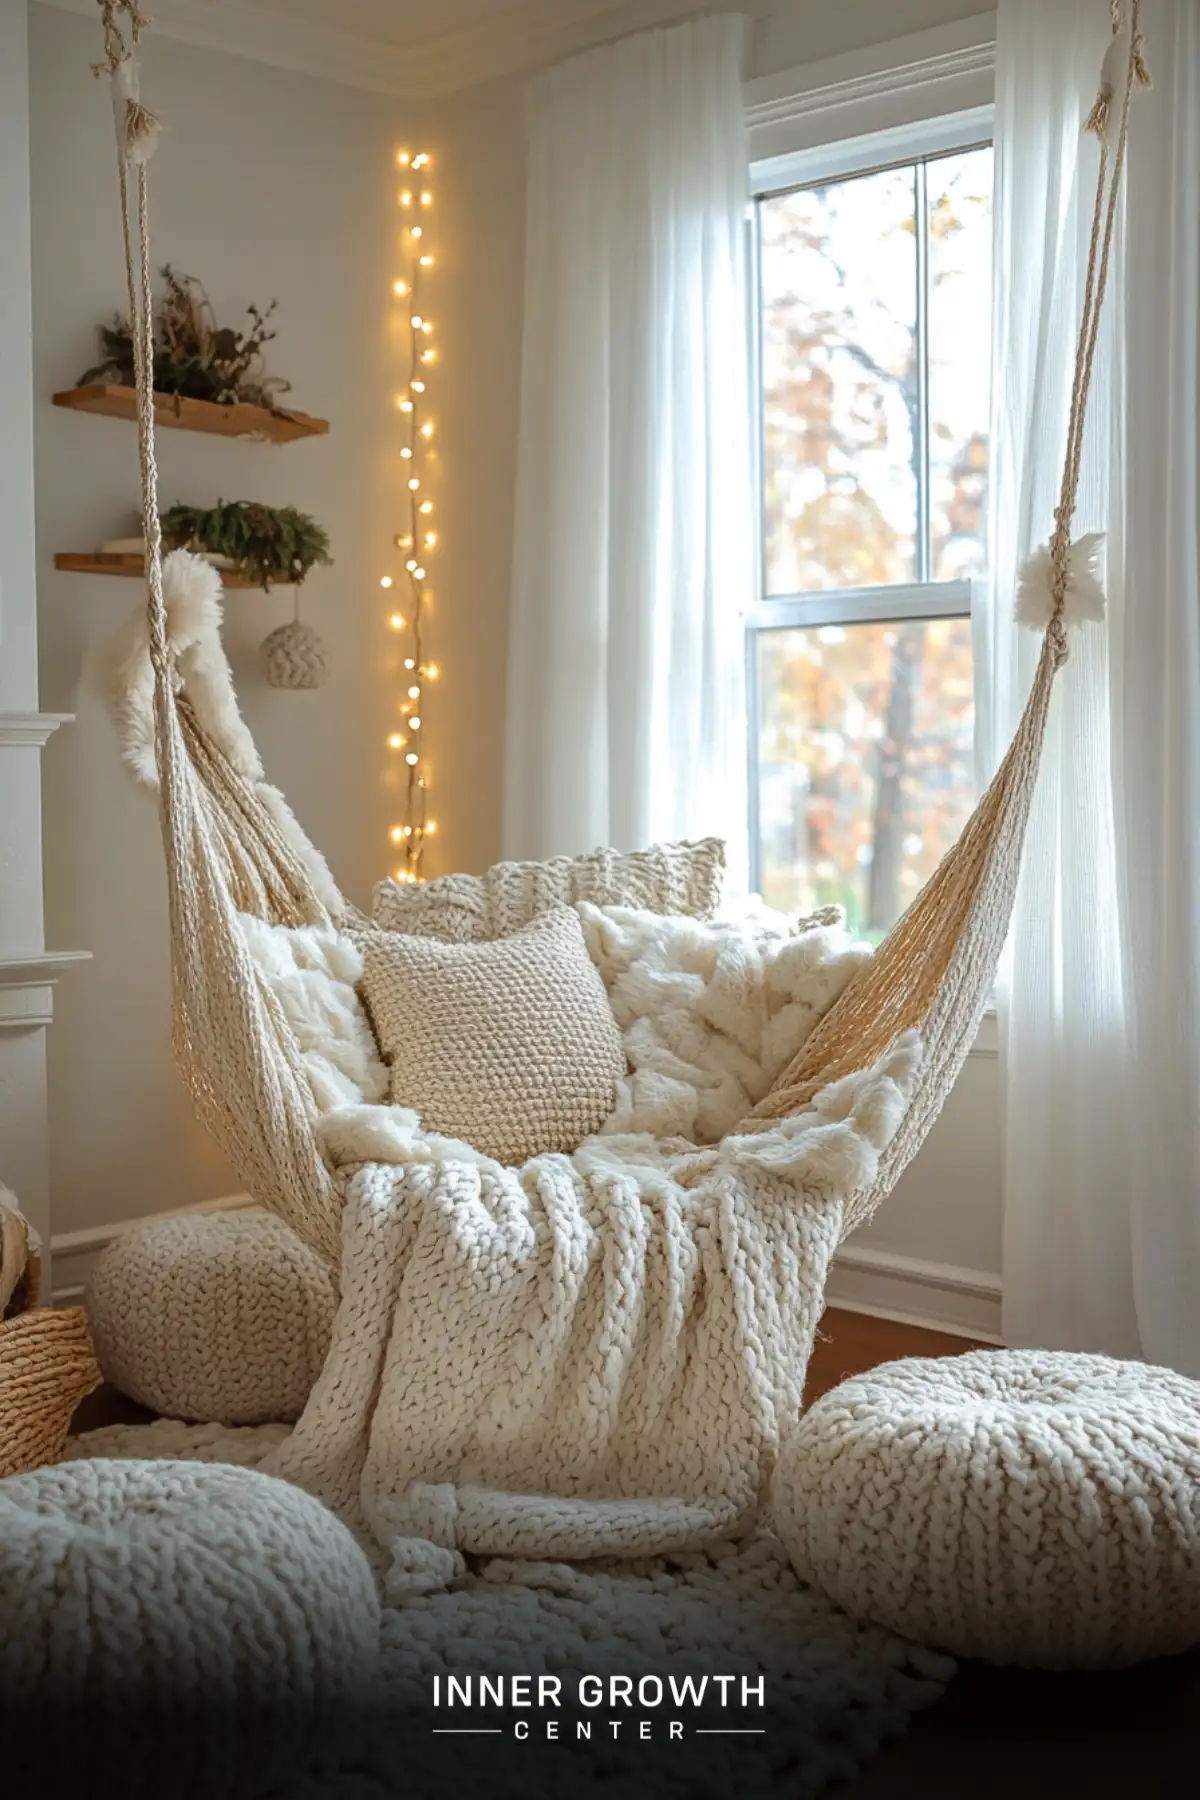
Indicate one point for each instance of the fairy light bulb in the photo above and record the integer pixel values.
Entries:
(426, 325)
(421, 161)
(426, 262)
(385, 581)
(409, 663)
(402, 159)
(404, 543)
(429, 356)
(416, 321)
(416, 232)
(406, 196)
(418, 574)
(426, 506)
(426, 197)
(418, 387)
(395, 741)
(397, 622)
(431, 828)
(414, 693)
(427, 429)
(411, 564)
(396, 834)
(432, 672)
(405, 406)
(430, 539)
(415, 722)
(399, 288)
(406, 453)
(414, 484)
(412, 759)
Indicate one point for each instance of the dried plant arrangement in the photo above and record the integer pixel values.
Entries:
(268, 543)
(194, 356)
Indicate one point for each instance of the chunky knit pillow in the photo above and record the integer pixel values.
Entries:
(683, 878)
(510, 1044)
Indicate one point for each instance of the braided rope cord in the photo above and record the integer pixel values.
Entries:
(224, 849)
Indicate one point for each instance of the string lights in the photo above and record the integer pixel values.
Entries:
(418, 542)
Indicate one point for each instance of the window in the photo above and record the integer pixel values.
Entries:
(872, 356)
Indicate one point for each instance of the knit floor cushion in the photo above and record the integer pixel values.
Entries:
(224, 1317)
(173, 1628)
(1028, 1507)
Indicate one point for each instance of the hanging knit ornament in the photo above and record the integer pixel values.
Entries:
(1083, 596)
(1105, 116)
(295, 656)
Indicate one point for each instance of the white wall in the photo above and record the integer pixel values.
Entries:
(788, 33)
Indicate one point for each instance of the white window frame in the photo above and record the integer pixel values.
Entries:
(921, 96)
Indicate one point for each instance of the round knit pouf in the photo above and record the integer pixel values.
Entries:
(295, 656)
(174, 1627)
(220, 1318)
(1026, 1507)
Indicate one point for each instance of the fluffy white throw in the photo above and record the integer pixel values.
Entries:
(591, 1355)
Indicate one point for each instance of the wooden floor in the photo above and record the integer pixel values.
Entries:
(999, 1734)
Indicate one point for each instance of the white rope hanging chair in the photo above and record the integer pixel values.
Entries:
(232, 844)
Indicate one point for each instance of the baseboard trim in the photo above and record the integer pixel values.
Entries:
(914, 1291)
(881, 1283)
(72, 1253)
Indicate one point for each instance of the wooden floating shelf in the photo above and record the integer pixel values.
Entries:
(103, 562)
(116, 401)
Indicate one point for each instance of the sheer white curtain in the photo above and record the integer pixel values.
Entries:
(1100, 995)
(633, 554)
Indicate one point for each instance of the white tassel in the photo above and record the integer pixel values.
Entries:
(1105, 116)
(1083, 597)
(137, 127)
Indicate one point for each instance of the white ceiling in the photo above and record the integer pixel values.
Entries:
(412, 48)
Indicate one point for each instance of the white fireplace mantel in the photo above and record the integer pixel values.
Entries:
(26, 730)
(27, 984)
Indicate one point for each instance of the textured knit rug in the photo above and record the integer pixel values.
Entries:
(834, 1691)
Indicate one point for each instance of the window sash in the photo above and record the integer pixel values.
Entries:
(863, 605)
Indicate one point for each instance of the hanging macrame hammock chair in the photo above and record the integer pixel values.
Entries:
(233, 846)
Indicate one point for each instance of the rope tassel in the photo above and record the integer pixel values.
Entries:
(138, 127)
(1083, 596)
(1113, 76)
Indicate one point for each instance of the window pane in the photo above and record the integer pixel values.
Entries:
(865, 763)
(959, 200)
(839, 363)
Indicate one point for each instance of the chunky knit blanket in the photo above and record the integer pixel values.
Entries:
(591, 1355)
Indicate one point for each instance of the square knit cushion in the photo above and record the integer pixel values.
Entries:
(510, 1044)
(680, 878)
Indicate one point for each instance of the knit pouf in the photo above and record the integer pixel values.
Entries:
(1027, 1507)
(212, 1317)
(175, 1627)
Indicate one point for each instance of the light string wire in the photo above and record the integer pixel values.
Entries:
(418, 542)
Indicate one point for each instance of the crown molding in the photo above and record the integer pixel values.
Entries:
(236, 28)
(524, 36)
(532, 34)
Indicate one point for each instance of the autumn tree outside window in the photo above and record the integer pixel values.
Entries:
(872, 280)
